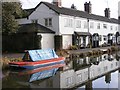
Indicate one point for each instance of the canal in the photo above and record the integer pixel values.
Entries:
(78, 73)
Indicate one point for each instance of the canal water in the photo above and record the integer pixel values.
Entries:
(78, 73)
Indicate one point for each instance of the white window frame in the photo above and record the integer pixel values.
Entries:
(78, 24)
(48, 22)
(34, 20)
(85, 25)
(91, 24)
(68, 22)
(105, 26)
(98, 25)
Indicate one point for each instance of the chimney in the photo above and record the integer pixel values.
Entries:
(57, 2)
(107, 12)
(88, 7)
(73, 7)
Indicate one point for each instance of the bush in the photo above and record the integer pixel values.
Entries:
(62, 52)
(89, 53)
(104, 44)
(73, 47)
(113, 48)
(5, 61)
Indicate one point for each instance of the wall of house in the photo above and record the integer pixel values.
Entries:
(47, 40)
(67, 41)
(119, 12)
(64, 28)
(68, 27)
(111, 28)
(43, 12)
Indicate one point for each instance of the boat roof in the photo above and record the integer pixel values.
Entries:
(41, 54)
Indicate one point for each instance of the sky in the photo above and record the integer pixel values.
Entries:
(98, 6)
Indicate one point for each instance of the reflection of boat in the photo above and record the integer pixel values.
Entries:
(39, 73)
(38, 58)
(28, 71)
(43, 74)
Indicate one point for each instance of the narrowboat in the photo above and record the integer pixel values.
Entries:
(38, 59)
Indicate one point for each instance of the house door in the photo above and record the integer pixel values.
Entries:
(95, 40)
(84, 42)
(117, 35)
(110, 39)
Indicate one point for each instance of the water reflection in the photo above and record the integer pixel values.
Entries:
(89, 72)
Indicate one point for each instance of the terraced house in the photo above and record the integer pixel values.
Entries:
(61, 27)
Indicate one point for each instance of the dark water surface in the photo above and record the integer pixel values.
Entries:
(89, 72)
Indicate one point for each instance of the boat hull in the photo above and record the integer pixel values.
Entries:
(38, 64)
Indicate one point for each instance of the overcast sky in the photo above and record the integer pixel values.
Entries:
(98, 6)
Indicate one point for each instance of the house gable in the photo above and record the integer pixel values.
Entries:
(41, 8)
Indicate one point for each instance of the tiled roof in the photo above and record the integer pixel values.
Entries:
(32, 27)
(78, 13)
(83, 33)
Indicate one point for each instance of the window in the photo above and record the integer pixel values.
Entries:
(78, 24)
(105, 26)
(68, 22)
(79, 76)
(111, 65)
(34, 21)
(105, 68)
(69, 81)
(91, 25)
(116, 64)
(85, 24)
(116, 28)
(48, 22)
(111, 27)
(98, 26)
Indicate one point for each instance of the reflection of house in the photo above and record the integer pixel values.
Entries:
(108, 77)
(119, 16)
(81, 63)
(71, 78)
(71, 26)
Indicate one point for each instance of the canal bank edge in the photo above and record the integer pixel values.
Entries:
(68, 54)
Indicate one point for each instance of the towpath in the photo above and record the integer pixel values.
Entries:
(89, 49)
(17, 55)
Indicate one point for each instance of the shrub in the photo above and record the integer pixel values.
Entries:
(62, 52)
(73, 47)
(113, 48)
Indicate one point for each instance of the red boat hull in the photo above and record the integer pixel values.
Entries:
(37, 64)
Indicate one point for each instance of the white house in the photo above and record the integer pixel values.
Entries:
(73, 27)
